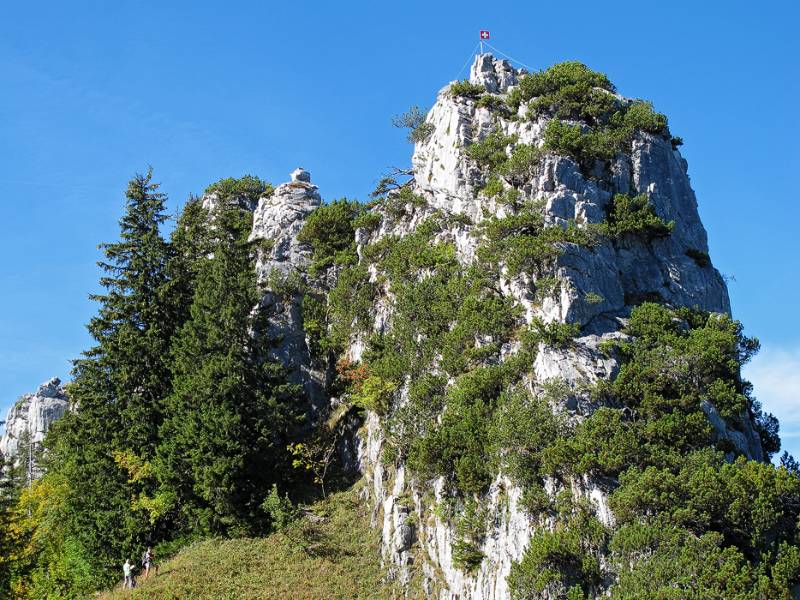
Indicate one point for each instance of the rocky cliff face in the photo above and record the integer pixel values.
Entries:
(30, 419)
(596, 287)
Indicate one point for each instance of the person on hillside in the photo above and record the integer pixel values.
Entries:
(127, 570)
(147, 561)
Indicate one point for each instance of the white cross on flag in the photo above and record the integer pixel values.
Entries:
(484, 34)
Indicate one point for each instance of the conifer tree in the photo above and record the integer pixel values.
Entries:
(119, 386)
(223, 443)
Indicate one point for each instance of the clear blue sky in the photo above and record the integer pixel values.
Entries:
(94, 91)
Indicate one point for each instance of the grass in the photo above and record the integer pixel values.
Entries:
(331, 553)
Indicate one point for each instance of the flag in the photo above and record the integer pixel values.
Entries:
(484, 34)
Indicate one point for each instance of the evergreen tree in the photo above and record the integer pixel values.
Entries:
(9, 491)
(119, 387)
(223, 443)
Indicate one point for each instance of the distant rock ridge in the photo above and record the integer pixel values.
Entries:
(30, 419)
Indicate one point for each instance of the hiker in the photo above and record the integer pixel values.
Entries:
(127, 570)
(147, 561)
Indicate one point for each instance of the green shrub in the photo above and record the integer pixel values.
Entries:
(527, 246)
(248, 186)
(603, 444)
(554, 334)
(657, 561)
(374, 394)
(702, 259)
(523, 427)
(470, 530)
(635, 215)
(607, 137)
(280, 509)
(563, 79)
(330, 232)
(466, 89)
(593, 298)
(459, 447)
(414, 120)
(582, 144)
(521, 164)
(493, 188)
(560, 562)
(638, 115)
(368, 220)
(493, 103)
(490, 152)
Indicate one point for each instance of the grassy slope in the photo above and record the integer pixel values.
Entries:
(333, 554)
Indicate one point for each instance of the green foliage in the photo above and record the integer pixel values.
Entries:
(230, 410)
(521, 164)
(120, 384)
(374, 394)
(559, 82)
(490, 152)
(492, 103)
(602, 444)
(248, 187)
(572, 92)
(465, 89)
(563, 562)
(526, 244)
(330, 231)
(701, 259)
(515, 167)
(635, 215)
(524, 426)
(414, 120)
(583, 144)
(493, 188)
(752, 505)
(459, 446)
(710, 352)
(397, 204)
(280, 509)
(470, 529)
(593, 298)
(657, 561)
(554, 334)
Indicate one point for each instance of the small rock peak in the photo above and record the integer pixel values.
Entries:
(496, 75)
(300, 174)
(50, 388)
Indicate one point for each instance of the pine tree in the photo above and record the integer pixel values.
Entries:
(118, 386)
(223, 443)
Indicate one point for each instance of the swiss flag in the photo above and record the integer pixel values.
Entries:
(484, 34)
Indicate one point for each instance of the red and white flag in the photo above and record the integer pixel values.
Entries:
(484, 34)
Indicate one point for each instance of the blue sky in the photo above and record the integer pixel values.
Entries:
(95, 91)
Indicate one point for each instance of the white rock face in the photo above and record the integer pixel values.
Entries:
(30, 419)
(597, 287)
(282, 263)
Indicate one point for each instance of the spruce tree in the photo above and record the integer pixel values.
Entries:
(223, 443)
(118, 387)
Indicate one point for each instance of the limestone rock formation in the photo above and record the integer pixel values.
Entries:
(29, 420)
(281, 267)
(597, 286)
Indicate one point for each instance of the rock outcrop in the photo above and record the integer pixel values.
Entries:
(29, 420)
(598, 285)
(282, 270)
